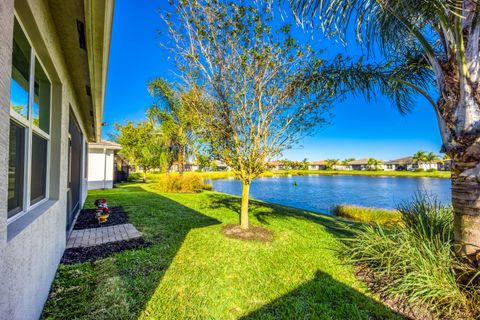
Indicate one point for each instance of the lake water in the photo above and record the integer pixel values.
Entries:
(321, 193)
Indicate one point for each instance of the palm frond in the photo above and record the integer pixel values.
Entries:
(393, 24)
(399, 81)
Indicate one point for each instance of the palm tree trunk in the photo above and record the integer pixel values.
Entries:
(466, 205)
(244, 209)
(459, 110)
(181, 160)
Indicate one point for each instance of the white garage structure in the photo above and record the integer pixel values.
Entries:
(101, 159)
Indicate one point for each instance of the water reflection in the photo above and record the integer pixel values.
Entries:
(321, 193)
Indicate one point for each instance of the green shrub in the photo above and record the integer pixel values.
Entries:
(415, 260)
(179, 183)
(383, 217)
(207, 187)
(418, 170)
(432, 170)
(135, 176)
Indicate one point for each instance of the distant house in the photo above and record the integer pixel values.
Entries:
(275, 165)
(434, 165)
(191, 166)
(217, 165)
(342, 167)
(101, 164)
(408, 164)
(317, 165)
(187, 166)
(399, 164)
(360, 164)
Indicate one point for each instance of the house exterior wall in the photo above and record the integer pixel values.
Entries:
(31, 246)
(100, 168)
(390, 167)
(316, 167)
(341, 167)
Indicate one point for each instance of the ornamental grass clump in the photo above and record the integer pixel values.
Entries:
(415, 261)
(384, 217)
(179, 183)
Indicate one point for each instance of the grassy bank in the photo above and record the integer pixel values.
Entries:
(383, 217)
(192, 271)
(226, 174)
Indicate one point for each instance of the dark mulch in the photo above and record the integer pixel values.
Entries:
(78, 255)
(398, 304)
(86, 218)
(252, 233)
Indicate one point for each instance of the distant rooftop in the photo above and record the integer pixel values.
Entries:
(359, 161)
(401, 161)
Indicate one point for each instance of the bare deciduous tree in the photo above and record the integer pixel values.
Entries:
(253, 101)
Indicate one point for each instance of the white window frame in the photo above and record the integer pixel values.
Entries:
(31, 129)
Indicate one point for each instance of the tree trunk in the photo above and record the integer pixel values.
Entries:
(466, 203)
(181, 160)
(244, 209)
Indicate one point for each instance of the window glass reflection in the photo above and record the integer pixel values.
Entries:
(20, 72)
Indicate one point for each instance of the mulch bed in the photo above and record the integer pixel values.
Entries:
(252, 233)
(398, 304)
(86, 218)
(79, 255)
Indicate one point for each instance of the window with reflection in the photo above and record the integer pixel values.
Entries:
(19, 84)
(41, 99)
(15, 169)
(29, 139)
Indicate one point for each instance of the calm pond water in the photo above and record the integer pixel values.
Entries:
(321, 193)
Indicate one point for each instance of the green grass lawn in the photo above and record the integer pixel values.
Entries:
(409, 174)
(192, 271)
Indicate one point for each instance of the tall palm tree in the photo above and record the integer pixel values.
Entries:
(346, 161)
(431, 157)
(330, 163)
(374, 163)
(421, 42)
(171, 111)
(420, 156)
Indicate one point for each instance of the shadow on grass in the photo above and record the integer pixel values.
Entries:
(339, 227)
(322, 298)
(119, 286)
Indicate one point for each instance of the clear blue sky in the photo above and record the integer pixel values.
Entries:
(357, 129)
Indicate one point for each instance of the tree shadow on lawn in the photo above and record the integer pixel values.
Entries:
(120, 286)
(339, 227)
(323, 298)
(129, 278)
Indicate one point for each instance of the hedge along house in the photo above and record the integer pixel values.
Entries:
(53, 64)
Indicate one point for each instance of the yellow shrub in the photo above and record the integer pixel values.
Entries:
(179, 183)
(383, 217)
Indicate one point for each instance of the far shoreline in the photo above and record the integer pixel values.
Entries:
(275, 173)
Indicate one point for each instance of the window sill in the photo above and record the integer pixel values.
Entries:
(16, 227)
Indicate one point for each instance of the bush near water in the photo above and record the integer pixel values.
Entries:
(383, 217)
(180, 183)
(415, 260)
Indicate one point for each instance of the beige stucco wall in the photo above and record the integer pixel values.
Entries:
(31, 247)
